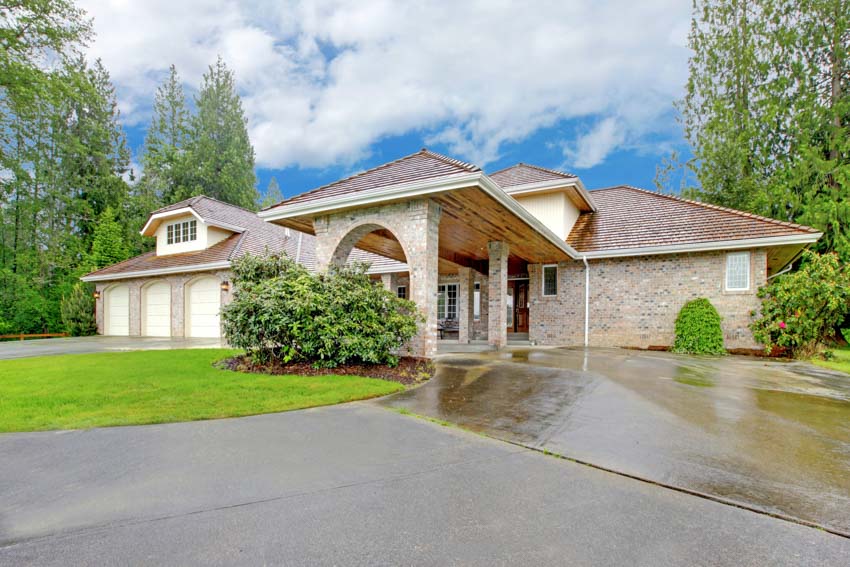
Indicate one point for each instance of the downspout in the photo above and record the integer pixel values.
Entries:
(586, 302)
(298, 250)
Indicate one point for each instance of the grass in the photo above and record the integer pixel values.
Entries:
(840, 361)
(93, 390)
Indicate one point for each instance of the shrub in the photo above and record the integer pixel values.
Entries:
(78, 311)
(800, 310)
(698, 329)
(281, 311)
(846, 334)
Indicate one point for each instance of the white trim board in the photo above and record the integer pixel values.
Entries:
(157, 272)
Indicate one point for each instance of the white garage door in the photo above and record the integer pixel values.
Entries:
(204, 305)
(118, 311)
(157, 309)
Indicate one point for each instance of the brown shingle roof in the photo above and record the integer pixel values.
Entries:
(420, 166)
(628, 217)
(523, 174)
(257, 236)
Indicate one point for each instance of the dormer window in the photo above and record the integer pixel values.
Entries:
(185, 231)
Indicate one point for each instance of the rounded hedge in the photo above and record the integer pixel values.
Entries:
(698, 329)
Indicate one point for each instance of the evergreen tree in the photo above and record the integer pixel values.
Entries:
(78, 311)
(220, 158)
(108, 246)
(273, 194)
(165, 145)
(767, 111)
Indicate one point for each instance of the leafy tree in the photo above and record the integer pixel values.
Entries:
(802, 309)
(280, 311)
(220, 157)
(698, 329)
(273, 194)
(78, 311)
(108, 246)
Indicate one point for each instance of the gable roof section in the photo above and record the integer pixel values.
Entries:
(631, 220)
(526, 174)
(420, 166)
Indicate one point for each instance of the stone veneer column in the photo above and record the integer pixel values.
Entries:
(390, 282)
(178, 307)
(135, 308)
(422, 250)
(99, 306)
(326, 243)
(497, 322)
(465, 302)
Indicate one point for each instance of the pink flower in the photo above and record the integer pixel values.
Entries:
(782, 324)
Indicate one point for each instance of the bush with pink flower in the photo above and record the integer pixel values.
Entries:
(802, 309)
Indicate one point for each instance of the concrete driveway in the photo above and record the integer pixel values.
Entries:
(81, 345)
(773, 436)
(355, 485)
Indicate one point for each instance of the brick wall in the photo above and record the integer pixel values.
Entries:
(635, 301)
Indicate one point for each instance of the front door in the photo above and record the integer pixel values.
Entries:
(517, 306)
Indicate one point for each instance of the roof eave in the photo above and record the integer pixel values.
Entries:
(153, 221)
(95, 277)
(540, 186)
(801, 239)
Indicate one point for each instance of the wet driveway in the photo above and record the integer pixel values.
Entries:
(772, 435)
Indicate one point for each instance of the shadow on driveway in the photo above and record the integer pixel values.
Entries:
(771, 435)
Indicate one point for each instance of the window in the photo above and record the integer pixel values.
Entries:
(447, 301)
(401, 291)
(738, 271)
(550, 280)
(182, 231)
(476, 304)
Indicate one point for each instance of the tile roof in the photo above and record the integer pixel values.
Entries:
(258, 236)
(524, 174)
(420, 166)
(628, 217)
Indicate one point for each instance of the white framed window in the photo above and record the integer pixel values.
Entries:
(476, 303)
(182, 231)
(738, 271)
(401, 291)
(550, 280)
(447, 301)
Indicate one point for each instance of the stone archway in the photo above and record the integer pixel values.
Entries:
(415, 225)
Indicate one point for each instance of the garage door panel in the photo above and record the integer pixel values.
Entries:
(118, 311)
(157, 310)
(204, 307)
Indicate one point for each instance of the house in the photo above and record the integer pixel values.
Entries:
(525, 252)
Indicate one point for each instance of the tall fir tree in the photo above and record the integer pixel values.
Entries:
(273, 194)
(163, 160)
(108, 246)
(219, 154)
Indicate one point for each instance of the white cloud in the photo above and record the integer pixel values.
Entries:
(322, 81)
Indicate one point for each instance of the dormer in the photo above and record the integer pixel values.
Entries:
(181, 229)
(554, 197)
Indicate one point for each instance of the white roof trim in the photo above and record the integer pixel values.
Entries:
(707, 246)
(184, 210)
(541, 186)
(417, 189)
(158, 272)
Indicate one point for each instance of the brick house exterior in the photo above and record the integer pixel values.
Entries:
(524, 253)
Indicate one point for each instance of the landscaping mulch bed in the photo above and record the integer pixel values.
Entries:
(410, 370)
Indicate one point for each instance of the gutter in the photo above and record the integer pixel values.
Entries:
(159, 272)
(784, 270)
(586, 302)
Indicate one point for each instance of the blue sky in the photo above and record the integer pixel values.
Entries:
(332, 87)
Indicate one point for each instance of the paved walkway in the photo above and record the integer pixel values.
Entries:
(355, 485)
(80, 345)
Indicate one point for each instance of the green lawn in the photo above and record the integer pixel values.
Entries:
(94, 390)
(841, 360)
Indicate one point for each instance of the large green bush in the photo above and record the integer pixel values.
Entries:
(698, 329)
(78, 311)
(801, 310)
(281, 311)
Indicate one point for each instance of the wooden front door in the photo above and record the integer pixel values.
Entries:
(518, 306)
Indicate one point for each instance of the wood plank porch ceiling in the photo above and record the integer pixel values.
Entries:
(470, 219)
